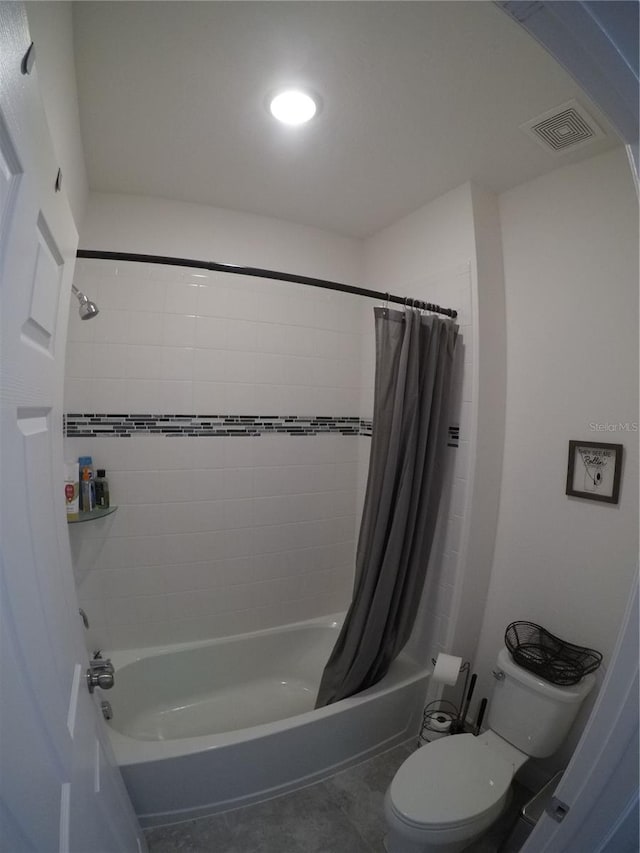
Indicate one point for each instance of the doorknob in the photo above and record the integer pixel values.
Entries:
(100, 673)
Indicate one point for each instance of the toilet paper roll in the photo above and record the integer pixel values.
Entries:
(440, 723)
(431, 736)
(447, 669)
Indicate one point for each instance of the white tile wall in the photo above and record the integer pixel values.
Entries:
(198, 343)
(211, 527)
(223, 535)
(214, 535)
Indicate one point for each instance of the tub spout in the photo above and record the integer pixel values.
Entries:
(100, 673)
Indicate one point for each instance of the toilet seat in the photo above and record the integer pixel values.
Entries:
(450, 783)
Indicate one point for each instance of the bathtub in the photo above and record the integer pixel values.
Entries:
(205, 727)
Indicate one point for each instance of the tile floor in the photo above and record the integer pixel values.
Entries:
(343, 814)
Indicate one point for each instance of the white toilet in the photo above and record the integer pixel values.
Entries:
(449, 792)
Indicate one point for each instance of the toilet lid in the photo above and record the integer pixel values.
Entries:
(451, 781)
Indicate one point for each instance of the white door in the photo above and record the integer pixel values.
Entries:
(59, 786)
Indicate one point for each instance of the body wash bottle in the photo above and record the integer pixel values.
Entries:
(102, 490)
(87, 490)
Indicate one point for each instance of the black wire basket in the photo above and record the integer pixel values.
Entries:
(536, 649)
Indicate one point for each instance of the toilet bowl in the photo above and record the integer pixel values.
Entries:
(449, 792)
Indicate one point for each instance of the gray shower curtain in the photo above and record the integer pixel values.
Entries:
(414, 368)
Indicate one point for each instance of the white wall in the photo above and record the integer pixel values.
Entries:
(51, 27)
(436, 237)
(571, 275)
(129, 223)
(485, 369)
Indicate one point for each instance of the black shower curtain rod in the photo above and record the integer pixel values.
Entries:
(260, 273)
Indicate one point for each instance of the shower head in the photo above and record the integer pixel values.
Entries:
(87, 309)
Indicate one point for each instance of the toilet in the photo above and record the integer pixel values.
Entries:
(449, 792)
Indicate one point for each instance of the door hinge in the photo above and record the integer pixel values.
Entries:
(28, 59)
(557, 810)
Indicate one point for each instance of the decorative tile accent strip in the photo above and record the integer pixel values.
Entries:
(125, 425)
(366, 426)
(94, 425)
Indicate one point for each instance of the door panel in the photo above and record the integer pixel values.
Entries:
(22, 723)
(59, 787)
(40, 326)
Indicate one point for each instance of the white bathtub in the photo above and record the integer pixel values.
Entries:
(204, 727)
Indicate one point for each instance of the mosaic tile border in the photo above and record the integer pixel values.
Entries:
(94, 425)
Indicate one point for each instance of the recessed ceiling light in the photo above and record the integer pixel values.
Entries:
(293, 106)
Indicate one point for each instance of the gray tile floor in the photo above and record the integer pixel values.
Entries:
(343, 814)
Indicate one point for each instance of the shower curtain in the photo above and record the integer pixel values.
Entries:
(414, 368)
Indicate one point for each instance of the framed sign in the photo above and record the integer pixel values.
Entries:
(594, 471)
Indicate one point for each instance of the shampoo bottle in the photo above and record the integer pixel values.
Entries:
(87, 490)
(87, 484)
(71, 491)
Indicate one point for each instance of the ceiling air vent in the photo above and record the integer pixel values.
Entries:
(563, 129)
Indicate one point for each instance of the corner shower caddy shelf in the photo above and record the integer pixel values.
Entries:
(93, 515)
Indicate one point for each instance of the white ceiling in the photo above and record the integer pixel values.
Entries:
(419, 97)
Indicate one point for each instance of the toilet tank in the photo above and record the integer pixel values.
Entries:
(531, 713)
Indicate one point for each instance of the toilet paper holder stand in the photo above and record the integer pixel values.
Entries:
(439, 716)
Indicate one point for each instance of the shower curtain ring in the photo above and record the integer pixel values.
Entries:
(386, 305)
